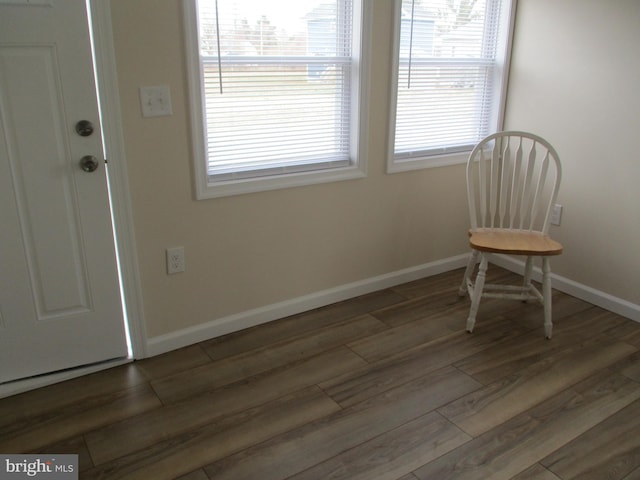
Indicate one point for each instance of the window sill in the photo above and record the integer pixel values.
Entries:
(207, 188)
(418, 163)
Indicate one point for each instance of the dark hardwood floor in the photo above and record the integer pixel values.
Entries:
(385, 386)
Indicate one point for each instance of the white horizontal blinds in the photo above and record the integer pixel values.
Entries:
(447, 54)
(280, 100)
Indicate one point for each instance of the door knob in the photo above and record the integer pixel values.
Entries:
(89, 163)
(84, 128)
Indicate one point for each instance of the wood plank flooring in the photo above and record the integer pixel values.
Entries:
(387, 386)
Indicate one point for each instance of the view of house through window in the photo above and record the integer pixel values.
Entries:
(450, 57)
(277, 88)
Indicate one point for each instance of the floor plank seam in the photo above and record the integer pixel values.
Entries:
(386, 385)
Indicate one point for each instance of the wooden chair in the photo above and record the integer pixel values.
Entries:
(512, 185)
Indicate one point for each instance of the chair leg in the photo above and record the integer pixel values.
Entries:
(471, 264)
(526, 281)
(546, 295)
(477, 292)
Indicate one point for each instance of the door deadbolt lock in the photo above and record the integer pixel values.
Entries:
(84, 128)
(89, 163)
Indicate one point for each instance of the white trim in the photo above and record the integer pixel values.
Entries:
(196, 93)
(118, 178)
(419, 163)
(583, 292)
(393, 87)
(222, 326)
(251, 318)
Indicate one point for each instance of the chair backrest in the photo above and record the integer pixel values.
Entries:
(512, 182)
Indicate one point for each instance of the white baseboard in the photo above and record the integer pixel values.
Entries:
(250, 318)
(222, 326)
(575, 289)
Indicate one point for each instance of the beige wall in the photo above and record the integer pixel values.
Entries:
(575, 79)
(254, 250)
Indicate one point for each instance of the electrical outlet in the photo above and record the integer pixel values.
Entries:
(175, 260)
(556, 214)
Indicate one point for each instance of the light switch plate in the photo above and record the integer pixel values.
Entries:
(155, 101)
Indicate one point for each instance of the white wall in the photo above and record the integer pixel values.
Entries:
(575, 80)
(250, 251)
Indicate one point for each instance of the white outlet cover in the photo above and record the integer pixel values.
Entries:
(175, 260)
(556, 214)
(155, 101)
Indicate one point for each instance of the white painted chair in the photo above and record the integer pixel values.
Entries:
(512, 185)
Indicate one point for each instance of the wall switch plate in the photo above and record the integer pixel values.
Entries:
(155, 101)
(175, 260)
(556, 214)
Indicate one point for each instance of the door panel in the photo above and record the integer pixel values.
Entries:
(59, 297)
(41, 109)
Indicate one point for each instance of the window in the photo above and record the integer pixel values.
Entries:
(276, 93)
(448, 85)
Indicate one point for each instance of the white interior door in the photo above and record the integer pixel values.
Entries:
(60, 303)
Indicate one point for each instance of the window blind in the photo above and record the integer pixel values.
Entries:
(446, 75)
(276, 80)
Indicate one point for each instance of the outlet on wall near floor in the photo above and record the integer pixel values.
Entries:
(175, 260)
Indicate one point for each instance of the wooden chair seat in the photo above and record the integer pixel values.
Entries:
(513, 242)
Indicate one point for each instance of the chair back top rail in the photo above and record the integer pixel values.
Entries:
(513, 179)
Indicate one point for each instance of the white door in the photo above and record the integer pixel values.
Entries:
(60, 304)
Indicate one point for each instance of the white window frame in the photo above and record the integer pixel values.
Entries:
(404, 163)
(207, 187)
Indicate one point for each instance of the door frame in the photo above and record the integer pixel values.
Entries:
(109, 100)
(122, 214)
